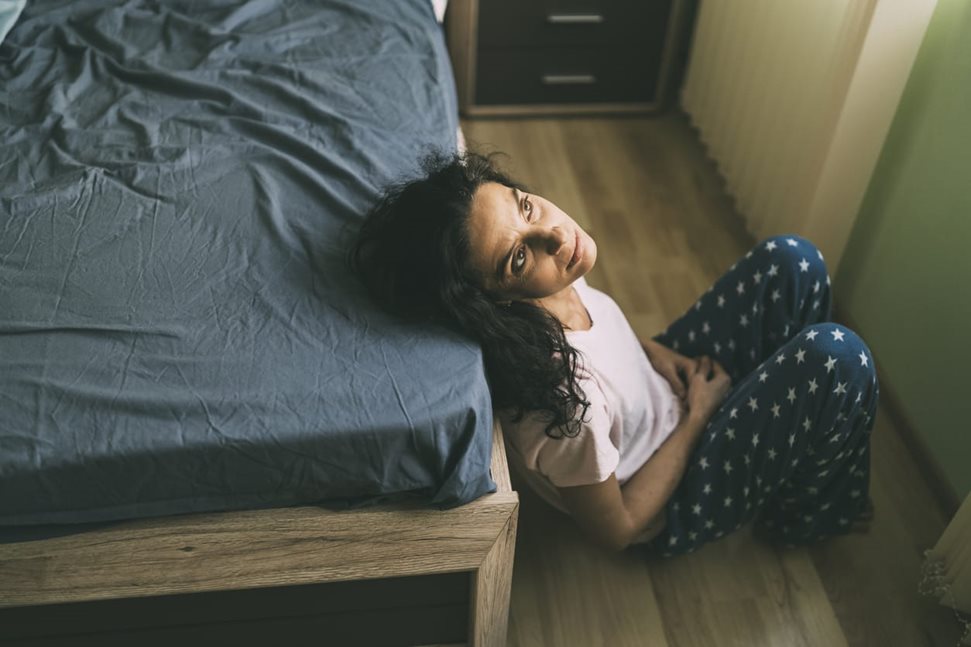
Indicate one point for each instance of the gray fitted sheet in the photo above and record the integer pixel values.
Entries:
(178, 331)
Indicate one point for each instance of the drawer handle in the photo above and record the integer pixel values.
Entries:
(568, 79)
(574, 18)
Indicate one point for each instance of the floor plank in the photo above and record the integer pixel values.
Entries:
(666, 229)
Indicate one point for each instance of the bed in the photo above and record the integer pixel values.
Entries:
(207, 429)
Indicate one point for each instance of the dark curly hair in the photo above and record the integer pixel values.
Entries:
(413, 253)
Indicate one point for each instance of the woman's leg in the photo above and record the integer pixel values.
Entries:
(774, 291)
(791, 441)
(789, 446)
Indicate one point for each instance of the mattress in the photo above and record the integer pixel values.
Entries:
(179, 332)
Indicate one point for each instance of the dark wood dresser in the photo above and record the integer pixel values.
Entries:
(563, 56)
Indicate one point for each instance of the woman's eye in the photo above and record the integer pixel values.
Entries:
(519, 260)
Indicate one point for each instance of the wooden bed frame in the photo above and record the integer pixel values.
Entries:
(399, 574)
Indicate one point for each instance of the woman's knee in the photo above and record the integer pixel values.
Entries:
(839, 349)
(795, 255)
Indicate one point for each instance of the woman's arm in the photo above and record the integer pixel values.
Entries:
(615, 516)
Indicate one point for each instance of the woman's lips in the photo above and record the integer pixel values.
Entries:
(577, 251)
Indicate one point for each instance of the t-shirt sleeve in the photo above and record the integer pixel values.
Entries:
(589, 457)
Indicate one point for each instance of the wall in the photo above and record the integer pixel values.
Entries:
(905, 277)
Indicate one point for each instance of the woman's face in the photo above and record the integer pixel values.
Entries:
(525, 247)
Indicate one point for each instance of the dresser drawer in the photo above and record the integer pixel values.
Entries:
(545, 23)
(574, 75)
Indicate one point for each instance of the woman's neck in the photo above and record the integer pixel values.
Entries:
(567, 306)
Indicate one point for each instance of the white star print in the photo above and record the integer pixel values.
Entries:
(709, 524)
(792, 439)
(830, 363)
(756, 277)
(692, 535)
(770, 245)
(707, 488)
(718, 347)
(728, 501)
(763, 376)
(755, 308)
(672, 541)
(811, 335)
(859, 396)
(755, 441)
(773, 270)
(731, 344)
(721, 301)
(807, 424)
(837, 335)
(744, 320)
(741, 288)
(733, 413)
(791, 242)
(775, 409)
(705, 328)
(749, 255)
(840, 388)
(730, 433)
(728, 467)
(792, 396)
(800, 356)
(776, 295)
(691, 335)
(772, 454)
(863, 359)
(703, 463)
(819, 254)
(781, 358)
(753, 404)
(813, 386)
(696, 509)
(804, 265)
(816, 287)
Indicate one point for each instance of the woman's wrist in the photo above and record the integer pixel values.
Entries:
(695, 422)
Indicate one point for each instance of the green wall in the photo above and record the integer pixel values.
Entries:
(905, 278)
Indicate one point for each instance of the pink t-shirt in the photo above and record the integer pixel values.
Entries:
(632, 410)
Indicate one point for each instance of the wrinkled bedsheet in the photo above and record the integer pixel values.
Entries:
(179, 182)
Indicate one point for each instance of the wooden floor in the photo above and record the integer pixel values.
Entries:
(665, 229)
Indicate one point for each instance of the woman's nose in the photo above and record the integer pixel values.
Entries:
(555, 239)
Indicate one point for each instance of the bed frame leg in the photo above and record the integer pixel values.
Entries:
(491, 587)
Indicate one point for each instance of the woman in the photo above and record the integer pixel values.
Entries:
(749, 406)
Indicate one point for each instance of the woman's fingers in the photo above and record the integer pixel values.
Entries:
(678, 381)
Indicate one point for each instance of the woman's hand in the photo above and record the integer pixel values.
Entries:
(707, 387)
(674, 367)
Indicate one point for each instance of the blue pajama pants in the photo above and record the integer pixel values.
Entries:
(790, 445)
